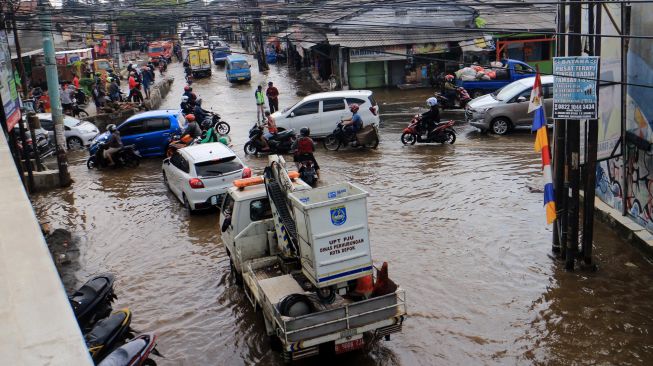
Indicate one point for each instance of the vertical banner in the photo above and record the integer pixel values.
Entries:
(8, 90)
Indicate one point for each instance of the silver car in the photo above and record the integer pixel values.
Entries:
(507, 108)
(78, 133)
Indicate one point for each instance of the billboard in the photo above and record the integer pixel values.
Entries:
(574, 87)
(8, 92)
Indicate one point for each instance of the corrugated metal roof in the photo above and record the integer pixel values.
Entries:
(368, 39)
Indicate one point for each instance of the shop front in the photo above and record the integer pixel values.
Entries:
(376, 67)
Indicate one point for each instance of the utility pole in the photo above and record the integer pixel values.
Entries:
(53, 91)
(592, 141)
(258, 35)
(559, 154)
(573, 146)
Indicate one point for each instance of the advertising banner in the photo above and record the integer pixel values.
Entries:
(574, 87)
(8, 90)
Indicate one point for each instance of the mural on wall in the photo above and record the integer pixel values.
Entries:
(638, 167)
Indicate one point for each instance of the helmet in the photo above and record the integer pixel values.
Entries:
(187, 88)
(206, 124)
(305, 131)
(111, 127)
(354, 107)
(432, 102)
(184, 98)
(448, 77)
(190, 117)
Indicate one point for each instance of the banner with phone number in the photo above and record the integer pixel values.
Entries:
(8, 91)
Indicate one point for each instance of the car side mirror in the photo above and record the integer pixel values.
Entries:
(521, 99)
(292, 114)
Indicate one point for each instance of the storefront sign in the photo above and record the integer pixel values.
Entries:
(8, 90)
(436, 47)
(574, 87)
(377, 54)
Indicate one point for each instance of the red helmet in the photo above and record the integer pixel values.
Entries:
(187, 88)
(449, 77)
(190, 117)
(354, 108)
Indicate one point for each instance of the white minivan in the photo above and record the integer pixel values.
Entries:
(321, 112)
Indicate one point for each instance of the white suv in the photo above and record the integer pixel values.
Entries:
(199, 175)
(321, 112)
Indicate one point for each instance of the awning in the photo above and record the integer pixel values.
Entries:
(482, 43)
(80, 50)
(35, 52)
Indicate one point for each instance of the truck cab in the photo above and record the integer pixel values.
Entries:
(300, 255)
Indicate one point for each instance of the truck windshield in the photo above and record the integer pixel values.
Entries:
(156, 49)
(214, 168)
(239, 65)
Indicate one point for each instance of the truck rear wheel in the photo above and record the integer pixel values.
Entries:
(237, 276)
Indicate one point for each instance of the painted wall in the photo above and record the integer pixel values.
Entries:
(638, 166)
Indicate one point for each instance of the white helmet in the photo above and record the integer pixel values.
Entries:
(184, 98)
(432, 102)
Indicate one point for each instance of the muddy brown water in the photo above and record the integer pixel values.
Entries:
(461, 230)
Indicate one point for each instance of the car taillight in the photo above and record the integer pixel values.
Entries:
(247, 172)
(373, 110)
(196, 183)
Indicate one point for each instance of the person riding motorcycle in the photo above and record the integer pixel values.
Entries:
(188, 91)
(114, 144)
(352, 125)
(304, 147)
(192, 129)
(185, 106)
(431, 118)
(200, 113)
(449, 88)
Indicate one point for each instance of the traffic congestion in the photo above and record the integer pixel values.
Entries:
(454, 220)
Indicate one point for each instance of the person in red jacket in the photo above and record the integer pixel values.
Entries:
(76, 81)
(273, 97)
(304, 147)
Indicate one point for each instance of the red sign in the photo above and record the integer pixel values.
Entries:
(349, 346)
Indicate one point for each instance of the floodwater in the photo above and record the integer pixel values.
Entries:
(462, 227)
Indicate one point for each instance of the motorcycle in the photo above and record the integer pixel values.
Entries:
(307, 172)
(44, 146)
(443, 132)
(127, 156)
(77, 111)
(93, 300)
(462, 97)
(136, 352)
(368, 136)
(108, 333)
(218, 125)
(177, 142)
(279, 143)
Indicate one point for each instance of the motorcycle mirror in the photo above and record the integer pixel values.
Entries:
(166, 161)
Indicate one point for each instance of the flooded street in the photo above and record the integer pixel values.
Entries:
(459, 225)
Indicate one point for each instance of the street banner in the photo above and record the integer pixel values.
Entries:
(575, 87)
(8, 90)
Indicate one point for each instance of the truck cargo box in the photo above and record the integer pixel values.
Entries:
(332, 232)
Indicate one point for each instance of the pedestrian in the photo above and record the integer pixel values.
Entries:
(147, 80)
(114, 90)
(66, 99)
(99, 95)
(273, 97)
(260, 104)
(76, 81)
(134, 90)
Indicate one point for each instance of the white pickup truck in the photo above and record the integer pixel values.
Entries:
(302, 256)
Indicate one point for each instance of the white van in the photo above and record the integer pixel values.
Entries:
(321, 112)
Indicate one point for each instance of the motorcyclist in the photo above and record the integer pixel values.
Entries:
(431, 118)
(114, 144)
(352, 125)
(114, 89)
(188, 91)
(449, 88)
(185, 106)
(192, 129)
(271, 125)
(200, 113)
(304, 147)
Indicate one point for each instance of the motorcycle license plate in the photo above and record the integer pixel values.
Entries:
(349, 346)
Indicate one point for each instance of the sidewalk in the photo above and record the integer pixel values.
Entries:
(626, 227)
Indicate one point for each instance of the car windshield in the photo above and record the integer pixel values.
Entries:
(103, 65)
(509, 91)
(214, 168)
(156, 49)
(239, 65)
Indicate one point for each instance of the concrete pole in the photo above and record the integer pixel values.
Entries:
(53, 91)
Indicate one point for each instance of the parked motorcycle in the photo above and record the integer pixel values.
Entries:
(78, 111)
(136, 352)
(127, 156)
(93, 300)
(43, 145)
(462, 97)
(368, 136)
(108, 334)
(443, 132)
(279, 143)
(80, 97)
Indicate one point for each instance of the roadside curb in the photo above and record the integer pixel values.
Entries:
(625, 227)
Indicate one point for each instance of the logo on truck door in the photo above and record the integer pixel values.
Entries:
(338, 215)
